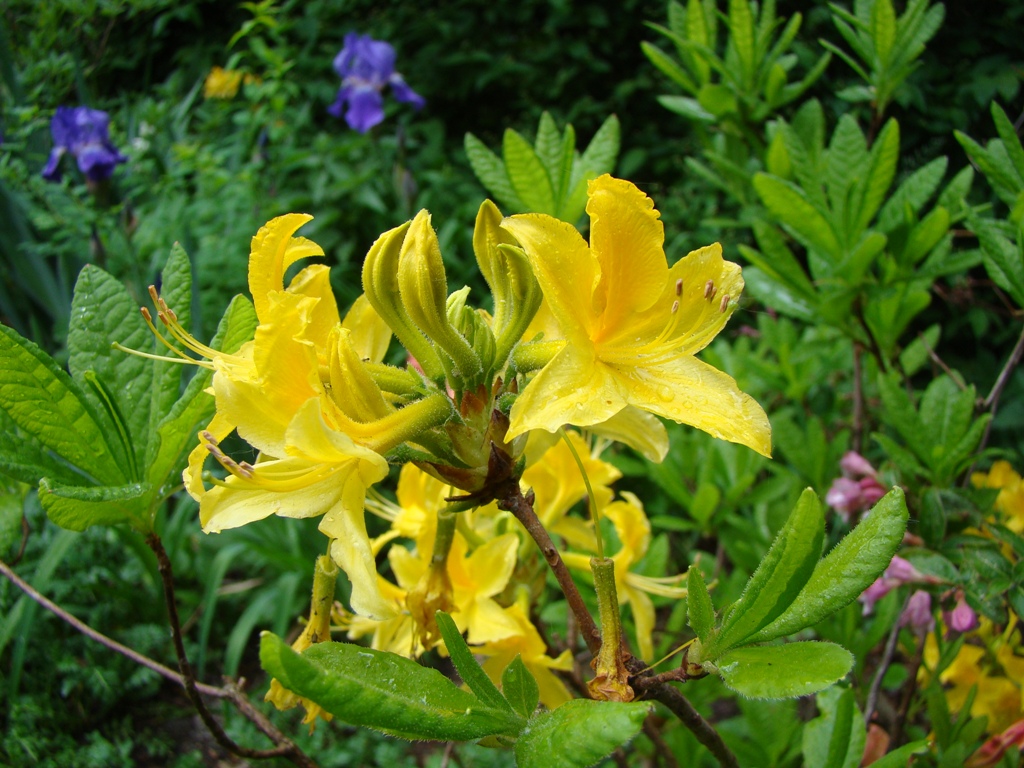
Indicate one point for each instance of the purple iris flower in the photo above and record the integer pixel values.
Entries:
(82, 132)
(365, 66)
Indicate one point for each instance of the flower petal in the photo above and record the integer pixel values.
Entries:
(565, 268)
(692, 392)
(574, 388)
(365, 109)
(272, 251)
(626, 237)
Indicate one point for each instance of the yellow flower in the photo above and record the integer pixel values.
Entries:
(1010, 501)
(300, 394)
(222, 83)
(632, 325)
(528, 645)
(634, 532)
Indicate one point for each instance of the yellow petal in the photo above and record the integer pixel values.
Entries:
(220, 427)
(626, 237)
(371, 336)
(643, 620)
(564, 267)
(489, 568)
(638, 429)
(574, 388)
(351, 550)
(485, 621)
(631, 525)
(273, 250)
(692, 392)
(315, 282)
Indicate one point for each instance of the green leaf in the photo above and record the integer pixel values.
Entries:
(847, 570)
(911, 195)
(668, 66)
(779, 578)
(881, 171)
(491, 173)
(788, 204)
(899, 758)
(686, 107)
(835, 739)
(78, 507)
(700, 612)
(471, 672)
(27, 460)
(176, 291)
(1011, 141)
(784, 671)
(520, 687)
(883, 30)
(383, 691)
(46, 403)
(566, 160)
(527, 174)
(1004, 260)
(102, 312)
(741, 30)
(549, 145)
(579, 733)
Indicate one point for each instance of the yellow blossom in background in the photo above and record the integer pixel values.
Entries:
(1010, 501)
(222, 83)
(994, 667)
(634, 532)
(632, 325)
(528, 645)
(558, 485)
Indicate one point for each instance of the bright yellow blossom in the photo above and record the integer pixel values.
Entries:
(300, 395)
(1010, 501)
(632, 325)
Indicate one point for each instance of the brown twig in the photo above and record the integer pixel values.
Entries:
(284, 748)
(883, 666)
(510, 498)
(896, 734)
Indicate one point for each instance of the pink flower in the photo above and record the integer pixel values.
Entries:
(918, 613)
(898, 573)
(992, 751)
(854, 465)
(962, 618)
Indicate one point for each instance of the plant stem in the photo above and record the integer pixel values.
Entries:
(510, 498)
(285, 747)
(691, 718)
(883, 666)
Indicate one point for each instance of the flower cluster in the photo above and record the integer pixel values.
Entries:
(602, 336)
(84, 134)
(365, 67)
(857, 489)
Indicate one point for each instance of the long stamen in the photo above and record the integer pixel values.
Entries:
(163, 340)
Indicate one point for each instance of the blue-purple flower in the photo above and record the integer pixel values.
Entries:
(83, 133)
(365, 66)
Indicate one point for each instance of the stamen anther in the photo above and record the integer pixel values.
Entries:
(709, 290)
(725, 303)
(679, 287)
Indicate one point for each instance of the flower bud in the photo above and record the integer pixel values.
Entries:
(424, 293)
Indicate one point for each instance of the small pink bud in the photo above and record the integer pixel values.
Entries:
(879, 588)
(902, 571)
(844, 496)
(871, 491)
(855, 465)
(918, 613)
(962, 618)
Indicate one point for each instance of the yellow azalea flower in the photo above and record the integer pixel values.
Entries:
(1010, 501)
(528, 645)
(558, 485)
(222, 83)
(634, 532)
(299, 393)
(632, 325)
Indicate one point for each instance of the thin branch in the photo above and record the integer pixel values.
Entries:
(99, 637)
(1004, 376)
(510, 498)
(284, 748)
(691, 718)
(883, 667)
(661, 749)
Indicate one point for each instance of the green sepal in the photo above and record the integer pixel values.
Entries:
(700, 612)
(847, 570)
(520, 687)
(579, 733)
(471, 672)
(779, 578)
(784, 671)
(383, 691)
